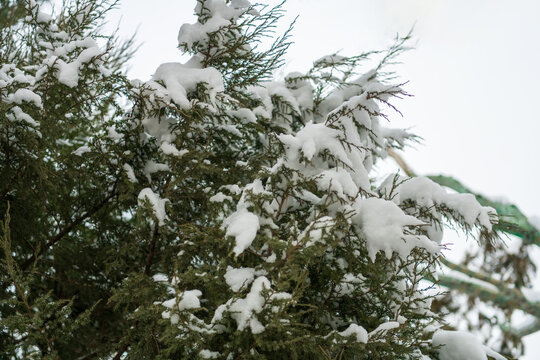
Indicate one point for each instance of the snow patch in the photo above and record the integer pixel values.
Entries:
(25, 95)
(239, 278)
(357, 331)
(243, 225)
(180, 79)
(427, 193)
(207, 354)
(244, 311)
(188, 300)
(130, 173)
(158, 204)
(170, 149)
(383, 223)
(460, 345)
(81, 150)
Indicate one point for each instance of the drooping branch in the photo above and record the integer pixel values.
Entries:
(518, 225)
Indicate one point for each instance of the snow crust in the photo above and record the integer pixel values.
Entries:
(243, 225)
(81, 150)
(17, 114)
(25, 95)
(384, 327)
(130, 173)
(220, 197)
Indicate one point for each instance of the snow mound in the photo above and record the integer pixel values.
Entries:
(357, 331)
(383, 223)
(239, 278)
(243, 225)
(461, 345)
(180, 79)
(158, 204)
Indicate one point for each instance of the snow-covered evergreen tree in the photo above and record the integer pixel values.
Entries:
(60, 94)
(212, 211)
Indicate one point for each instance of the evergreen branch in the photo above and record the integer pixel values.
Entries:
(307, 266)
(516, 224)
(507, 298)
(471, 273)
(10, 12)
(12, 271)
(514, 221)
(66, 230)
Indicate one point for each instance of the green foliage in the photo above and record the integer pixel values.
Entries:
(11, 11)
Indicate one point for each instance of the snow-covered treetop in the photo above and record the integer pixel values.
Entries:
(297, 157)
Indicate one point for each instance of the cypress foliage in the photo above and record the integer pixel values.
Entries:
(210, 212)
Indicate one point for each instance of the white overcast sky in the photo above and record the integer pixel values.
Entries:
(474, 74)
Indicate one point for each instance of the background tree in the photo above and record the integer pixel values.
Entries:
(495, 281)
